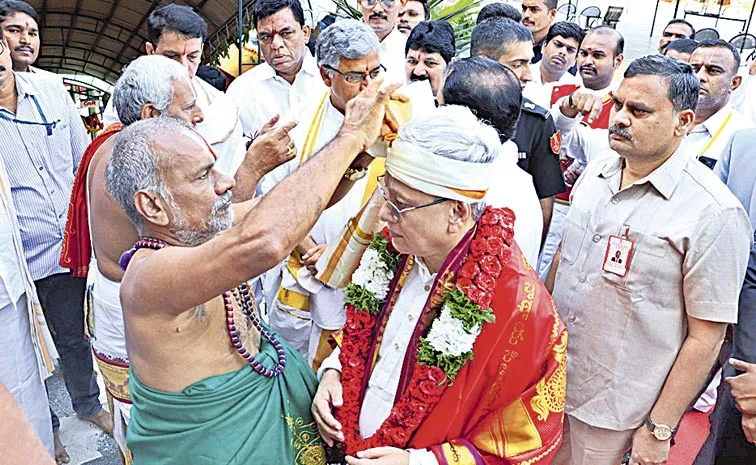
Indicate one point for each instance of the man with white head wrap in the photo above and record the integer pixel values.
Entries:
(441, 312)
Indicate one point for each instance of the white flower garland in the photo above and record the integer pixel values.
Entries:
(449, 336)
(373, 275)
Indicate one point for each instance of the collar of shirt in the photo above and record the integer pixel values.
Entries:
(24, 86)
(715, 121)
(309, 66)
(664, 178)
(394, 39)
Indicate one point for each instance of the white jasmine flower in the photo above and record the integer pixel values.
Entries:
(373, 274)
(448, 335)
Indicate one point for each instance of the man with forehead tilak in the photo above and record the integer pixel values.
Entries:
(203, 364)
(441, 299)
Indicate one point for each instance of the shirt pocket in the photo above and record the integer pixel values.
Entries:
(575, 230)
(649, 255)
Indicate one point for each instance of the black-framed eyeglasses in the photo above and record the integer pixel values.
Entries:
(355, 77)
(386, 4)
(2, 47)
(396, 211)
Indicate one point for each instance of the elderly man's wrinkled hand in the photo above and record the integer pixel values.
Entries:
(743, 386)
(272, 148)
(365, 114)
(329, 395)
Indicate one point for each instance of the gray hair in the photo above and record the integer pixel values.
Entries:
(683, 85)
(453, 131)
(134, 165)
(148, 79)
(348, 38)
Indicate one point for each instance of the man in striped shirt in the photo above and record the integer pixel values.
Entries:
(43, 139)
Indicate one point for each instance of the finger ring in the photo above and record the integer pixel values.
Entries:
(291, 151)
(570, 102)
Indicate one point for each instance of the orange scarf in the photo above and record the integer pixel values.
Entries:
(77, 247)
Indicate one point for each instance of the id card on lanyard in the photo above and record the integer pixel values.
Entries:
(619, 252)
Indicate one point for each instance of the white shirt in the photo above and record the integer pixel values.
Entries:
(540, 93)
(11, 280)
(579, 141)
(384, 380)
(697, 140)
(512, 187)
(261, 93)
(391, 54)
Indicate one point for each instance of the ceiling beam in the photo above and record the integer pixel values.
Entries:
(96, 43)
(146, 15)
(64, 28)
(74, 19)
(198, 9)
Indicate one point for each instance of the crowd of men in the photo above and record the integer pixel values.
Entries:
(376, 254)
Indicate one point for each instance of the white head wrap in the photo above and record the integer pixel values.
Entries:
(448, 154)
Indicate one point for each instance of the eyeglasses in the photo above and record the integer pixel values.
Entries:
(396, 211)
(267, 37)
(355, 77)
(386, 4)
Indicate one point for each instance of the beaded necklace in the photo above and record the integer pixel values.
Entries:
(246, 304)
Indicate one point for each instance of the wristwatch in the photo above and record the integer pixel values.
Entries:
(355, 174)
(660, 432)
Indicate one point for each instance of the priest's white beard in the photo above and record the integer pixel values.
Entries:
(221, 218)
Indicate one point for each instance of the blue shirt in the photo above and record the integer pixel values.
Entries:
(41, 167)
(737, 169)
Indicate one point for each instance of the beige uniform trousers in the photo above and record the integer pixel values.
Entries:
(584, 444)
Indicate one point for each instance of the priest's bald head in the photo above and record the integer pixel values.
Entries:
(437, 175)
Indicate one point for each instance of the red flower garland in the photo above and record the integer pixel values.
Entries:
(477, 278)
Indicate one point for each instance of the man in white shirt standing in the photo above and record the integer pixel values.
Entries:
(716, 64)
(304, 311)
(559, 51)
(289, 75)
(383, 16)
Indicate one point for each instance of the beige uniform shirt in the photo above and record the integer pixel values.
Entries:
(692, 240)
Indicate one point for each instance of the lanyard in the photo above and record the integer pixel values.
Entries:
(4, 114)
(714, 137)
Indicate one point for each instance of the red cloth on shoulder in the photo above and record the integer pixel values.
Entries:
(77, 248)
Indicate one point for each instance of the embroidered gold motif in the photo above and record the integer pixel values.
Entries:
(518, 333)
(306, 442)
(525, 263)
(526, 305)
(557, 321)
(550, 393)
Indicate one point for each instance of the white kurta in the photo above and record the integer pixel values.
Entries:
(326, 305)
(540, 93)
(27, 346)
(384, 380)
(391, 54)
(512, 187)
(261, 93)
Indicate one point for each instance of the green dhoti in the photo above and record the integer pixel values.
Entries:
(237, 418)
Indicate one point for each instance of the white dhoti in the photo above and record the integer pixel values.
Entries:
(109, 347)
(18, 369)
(553, 239)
